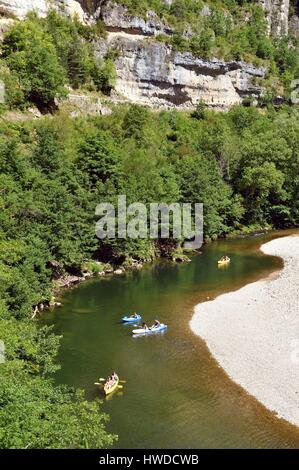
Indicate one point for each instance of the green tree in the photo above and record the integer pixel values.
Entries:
(31, 55)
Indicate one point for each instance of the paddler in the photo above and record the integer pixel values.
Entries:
(114, 376)
(134, 315)
(156, 324)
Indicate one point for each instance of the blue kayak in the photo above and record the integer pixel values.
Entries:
(131, 319)
(156, 329)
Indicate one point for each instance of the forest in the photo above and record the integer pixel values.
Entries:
(243, 166)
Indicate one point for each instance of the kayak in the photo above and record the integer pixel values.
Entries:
(224, 261)
(111, 388)
(131, 319)
(143, 331)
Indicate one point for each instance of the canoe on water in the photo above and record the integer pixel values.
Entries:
(111, 388)
(131, 319)
(143, 331)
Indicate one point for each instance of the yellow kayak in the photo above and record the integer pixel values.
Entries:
(224, 261)
(111, 388)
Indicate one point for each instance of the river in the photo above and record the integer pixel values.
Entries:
(175, 396)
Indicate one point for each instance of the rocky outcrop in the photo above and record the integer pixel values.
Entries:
(5, 24)
(117, 18)
(83, 105)
(294, 19)
(152, 73)
(277, 16)
(294, 26)
(20, 8)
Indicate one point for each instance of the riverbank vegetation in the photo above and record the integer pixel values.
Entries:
(242, 165)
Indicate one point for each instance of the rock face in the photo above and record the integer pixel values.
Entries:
(294, 20)
(152, 73)
(116, 18)
(82, 104)
(5, 24)
(277, 15)
(20, 8)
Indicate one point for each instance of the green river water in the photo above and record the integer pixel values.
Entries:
(176, 396)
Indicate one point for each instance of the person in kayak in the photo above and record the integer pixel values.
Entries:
(108, 381)
(134, 315)
(144, 326)
(111, 380)
(155, 324)
(114, 376)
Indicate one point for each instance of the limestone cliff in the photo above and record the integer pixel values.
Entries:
(152, 73)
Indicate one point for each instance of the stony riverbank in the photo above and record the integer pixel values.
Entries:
(254, 333)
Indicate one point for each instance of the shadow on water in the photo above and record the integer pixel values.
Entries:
(176, 395)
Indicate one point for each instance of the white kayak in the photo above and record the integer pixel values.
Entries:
(144, 331)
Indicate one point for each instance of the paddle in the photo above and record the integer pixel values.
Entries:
(104, 380)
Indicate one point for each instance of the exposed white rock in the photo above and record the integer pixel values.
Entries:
(5, 24)
(152, 73)
(73, 9)
(294, 26)
(277, 15)
(85, 105)
(20, 8)
(116, 18)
